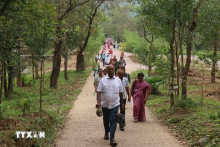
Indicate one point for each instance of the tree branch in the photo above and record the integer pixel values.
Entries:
(195, 18)
(146, 36)
(71, 8)
(90, 27)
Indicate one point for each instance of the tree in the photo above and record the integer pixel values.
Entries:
(70, 5)
(209, 29)
(84, 41)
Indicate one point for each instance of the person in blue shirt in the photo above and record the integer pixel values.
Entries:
(103, 58)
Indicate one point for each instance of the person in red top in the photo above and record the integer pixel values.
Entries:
(111, 51)
(114, 59)
(108, 46)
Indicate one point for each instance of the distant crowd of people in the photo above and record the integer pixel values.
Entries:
(112, 90)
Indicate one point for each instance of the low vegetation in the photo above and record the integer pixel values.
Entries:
(194, 121)
(22, 112)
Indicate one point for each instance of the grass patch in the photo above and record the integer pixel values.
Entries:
(22, 112)
(195, 120)
(190, 120)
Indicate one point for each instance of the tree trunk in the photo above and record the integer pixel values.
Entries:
(177, 67)
(43, 74)
(171, 71)
(33, 67)
(10, 79)
(5, 82)
(189, 40)
(2, 84)
(56, 65)
(79, 62)
(214, 63)
(66, 63)
(172, 62)
(186, 69)
(41, 81)
(36, 69)
(149, 58)
(19, 82)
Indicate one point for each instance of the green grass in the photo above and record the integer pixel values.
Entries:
(24, 108)
(195, 120)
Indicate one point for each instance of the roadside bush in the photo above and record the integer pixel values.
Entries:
(154, 82)
(186, 104)
(174, 119)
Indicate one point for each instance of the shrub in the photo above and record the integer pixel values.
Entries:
(154, 82)
(185, 104)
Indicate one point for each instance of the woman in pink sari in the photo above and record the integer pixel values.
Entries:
(140, 96)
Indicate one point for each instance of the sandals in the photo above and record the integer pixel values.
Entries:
(113, 143)
(135, 120)
(106, 137)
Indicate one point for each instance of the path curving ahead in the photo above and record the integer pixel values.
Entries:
(85, 129)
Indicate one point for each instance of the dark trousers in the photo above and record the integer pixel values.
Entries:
(103, 62)
(123, 111)
(109, 117)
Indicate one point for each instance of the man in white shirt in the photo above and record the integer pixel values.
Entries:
(97, 78)
(98, 57)
(125, 85)
(111, 91)
(110, 55)
(107, 60)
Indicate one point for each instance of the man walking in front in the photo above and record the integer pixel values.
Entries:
(111, 91)
(125, 85)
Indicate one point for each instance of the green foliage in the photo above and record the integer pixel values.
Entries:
(198, 124)
(24, 107)
(162, 63)
(174, 119)
(94, 45)
(208, 57)
(186, 104)
(133, 42)
(117, 21)
(154, 82)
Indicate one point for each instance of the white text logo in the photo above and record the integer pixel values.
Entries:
(30, 134)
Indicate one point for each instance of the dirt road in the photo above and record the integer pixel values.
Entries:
(85, 129)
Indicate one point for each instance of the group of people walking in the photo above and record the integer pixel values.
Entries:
(113, 91)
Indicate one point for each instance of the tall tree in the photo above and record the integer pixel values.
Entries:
(70, 5)
(84, 41)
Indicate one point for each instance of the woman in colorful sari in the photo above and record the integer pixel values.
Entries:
(140, 95)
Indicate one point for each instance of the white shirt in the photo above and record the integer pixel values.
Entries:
(125, 84)
(97, 79)
(110, 56)
(110, 89)
(98, 56)
(107, 59)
